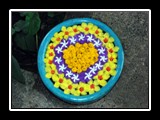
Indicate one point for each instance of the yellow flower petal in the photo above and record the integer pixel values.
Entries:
(63, 28)
(91, 92)
(102, 82)
(97, 88)
(107, 76)
(57, 84)
(64, 86)
(112, 65)
(48, 69)
(61, 75)
(67, 91)
(111, 39)
(113, 72)
(116, 49)
(90, 25)
(84, 25)
(114, 55)
(48, 75)
(55, 78)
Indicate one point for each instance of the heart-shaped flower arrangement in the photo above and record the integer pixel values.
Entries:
(80, 59)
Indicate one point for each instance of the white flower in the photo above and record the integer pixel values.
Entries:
(90, 38)
(103, 58)
(62, 67)
(97, 43)
(101, 50)
(64, 43)
(75, 77)
(58, 49)
(93, 69)
(72, 40)
(58, 60)
(88, 76)
(81, 37)
(69, 73)
(98, 65)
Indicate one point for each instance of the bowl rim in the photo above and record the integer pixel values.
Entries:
(71, 98)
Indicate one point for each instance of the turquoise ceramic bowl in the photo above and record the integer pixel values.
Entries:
(79, 99)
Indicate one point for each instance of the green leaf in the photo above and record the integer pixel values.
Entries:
(33, 23)
(13, 31)
(51, 14)
(18, 26)
(25, 41)
(16, 71)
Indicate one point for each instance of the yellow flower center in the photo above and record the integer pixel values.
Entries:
(80, 57)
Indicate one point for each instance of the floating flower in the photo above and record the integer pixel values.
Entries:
(66, 31)
(59, 80)
(110, 68)
(70, 87)
(50, 71)
(80, 59)
(92, 87)
(100, 79)
(57, 38)
(82, 89)
(75, 30)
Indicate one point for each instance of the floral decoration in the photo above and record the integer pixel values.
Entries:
(80, 59)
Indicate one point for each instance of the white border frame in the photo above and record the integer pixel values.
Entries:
(78, 10)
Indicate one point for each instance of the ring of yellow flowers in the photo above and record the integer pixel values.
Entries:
(99, 80)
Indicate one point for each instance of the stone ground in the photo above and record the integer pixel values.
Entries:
(131, 91)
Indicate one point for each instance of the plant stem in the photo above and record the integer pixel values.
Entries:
(36, 41)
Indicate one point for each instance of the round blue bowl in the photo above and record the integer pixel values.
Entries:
(59, 93)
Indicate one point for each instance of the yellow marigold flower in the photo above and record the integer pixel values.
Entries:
(84, 68)
(78, 45)
(74, 69)
(91, 45)
(65, 56)
(79, 70)
(70, 66)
